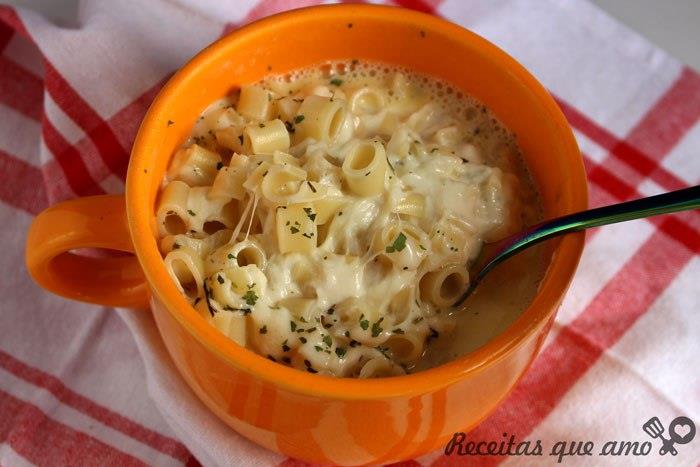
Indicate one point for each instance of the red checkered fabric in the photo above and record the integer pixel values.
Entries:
(83, 385)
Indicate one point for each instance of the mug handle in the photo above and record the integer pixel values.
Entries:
(91, 222)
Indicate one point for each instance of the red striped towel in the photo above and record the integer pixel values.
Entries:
(82, 385)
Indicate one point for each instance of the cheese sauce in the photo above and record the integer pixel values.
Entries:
(387, 185)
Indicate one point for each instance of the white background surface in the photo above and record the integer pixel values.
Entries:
(674, 24)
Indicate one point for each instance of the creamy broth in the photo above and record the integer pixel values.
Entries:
(496, 304)
(325, 219)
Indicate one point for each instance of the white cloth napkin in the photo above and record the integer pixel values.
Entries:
(80, 384)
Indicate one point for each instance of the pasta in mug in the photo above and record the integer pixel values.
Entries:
(326, 219)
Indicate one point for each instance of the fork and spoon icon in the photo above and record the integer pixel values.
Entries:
(680, 431)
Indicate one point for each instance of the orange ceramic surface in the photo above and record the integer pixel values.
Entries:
(312, 417)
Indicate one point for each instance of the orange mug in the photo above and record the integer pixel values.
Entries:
(302, 415)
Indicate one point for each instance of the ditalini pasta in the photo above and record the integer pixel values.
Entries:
(325, 219)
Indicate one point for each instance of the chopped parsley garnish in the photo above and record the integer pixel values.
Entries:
(318, 348)
(231, 256)
(212, 312)
(292, 326)
(245, 311)
(310, 214)
(310, 330)
(336, 81)
(302, 339)
(293, 230)
(376, 328)
(308, 235)
(191, 212)
(285, 347)
(398, 245)
(298, 119)
(309, 368)
(261, 125)
(422, 247)
(311, 187)
(398, 331)
(263, 330)
(340, 351)
(417, 320)
(364, 324)
(327, 340)
(219, 279)
(330, 311)
(433, 335)
(250, 297)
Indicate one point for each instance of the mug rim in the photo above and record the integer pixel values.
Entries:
(140, 214)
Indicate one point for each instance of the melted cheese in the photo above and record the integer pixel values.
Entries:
(332, 263)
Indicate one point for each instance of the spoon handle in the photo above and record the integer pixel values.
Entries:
(674, 201)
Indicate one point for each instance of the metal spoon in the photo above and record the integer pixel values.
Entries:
(496, 252)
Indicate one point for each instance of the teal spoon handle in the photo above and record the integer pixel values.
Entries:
(493, 254)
